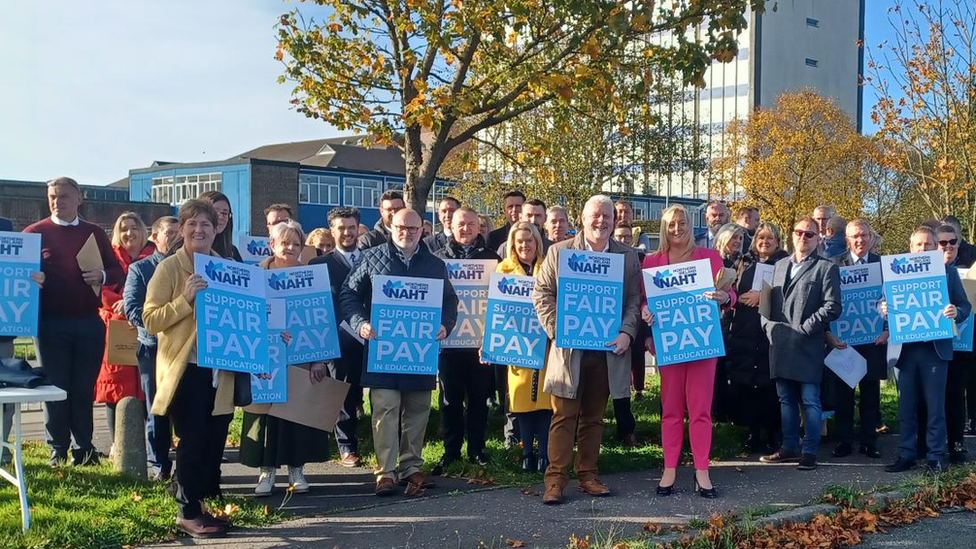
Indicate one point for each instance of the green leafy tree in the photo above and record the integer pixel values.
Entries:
(428, 75)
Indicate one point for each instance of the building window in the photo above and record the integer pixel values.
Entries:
(178, 189)
(640, 211)
(361, 193)
(812, 62)
(811, 22)
(394, 186)
(318, 189)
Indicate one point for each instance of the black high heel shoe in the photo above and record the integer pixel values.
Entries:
(664, 491)
(710, 493)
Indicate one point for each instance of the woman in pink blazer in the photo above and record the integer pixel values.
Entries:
(689, 385)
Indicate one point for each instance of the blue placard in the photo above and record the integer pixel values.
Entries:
(916, 292)
(254, 249)
(590, 299)
(964, 340)
(406, 315)
(20, 255)
(232, 327)
(860, 289)
(273, 386)
(309, 314)
(469, 277)
(513, 334)
(686, 325)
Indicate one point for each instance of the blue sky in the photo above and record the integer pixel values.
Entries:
(92, 89)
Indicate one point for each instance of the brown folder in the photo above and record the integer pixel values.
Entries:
(314, 405)
(90, 259)
(121, 343)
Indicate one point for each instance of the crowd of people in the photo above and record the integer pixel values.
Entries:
(772, 378)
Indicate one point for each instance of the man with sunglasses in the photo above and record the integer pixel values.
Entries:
(860, 239)
(805, 298)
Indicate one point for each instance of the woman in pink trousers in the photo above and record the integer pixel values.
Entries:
(688, 385)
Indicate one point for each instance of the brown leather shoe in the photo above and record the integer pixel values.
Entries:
(349, 460)
(594, 487)
(385, 487)
(553, 495)
(201, 527)
(415, 485)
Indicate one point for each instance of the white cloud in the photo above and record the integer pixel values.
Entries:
(92, 89)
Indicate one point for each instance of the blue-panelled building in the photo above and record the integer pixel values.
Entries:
(316, 176)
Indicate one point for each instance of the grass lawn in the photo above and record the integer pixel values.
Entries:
(95, 507)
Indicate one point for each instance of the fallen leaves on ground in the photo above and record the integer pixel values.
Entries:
(652, 528)
(514, 543)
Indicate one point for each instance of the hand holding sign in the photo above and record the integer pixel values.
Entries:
(366, 331)
(194, 284)
(442, 333)
(950, 311)
(620, 344)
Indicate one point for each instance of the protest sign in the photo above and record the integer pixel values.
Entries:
(309, 313)
(963, 340)
(406, 316)
(859, 322)
(232, 324)
(916, 291)
(20, 255)
(254, 249)
(590, 299)
(470, 280)
(513, 334)
(686, 325)
(273, 386)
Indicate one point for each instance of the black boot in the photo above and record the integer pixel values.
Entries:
(529, 463)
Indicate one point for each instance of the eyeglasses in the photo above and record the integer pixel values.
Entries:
(951, 242)
(804, 234)
(406, 229)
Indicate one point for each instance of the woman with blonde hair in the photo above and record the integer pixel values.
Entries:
(728, 244)
(321, 239)
(117, 381)
(269, 442)
(486, 226)
(688, 385)
(526, 399)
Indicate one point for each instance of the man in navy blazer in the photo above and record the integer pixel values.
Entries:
(923, 369)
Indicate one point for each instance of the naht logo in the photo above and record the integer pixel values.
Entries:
(11, 245)
(231, 276)
(456, 271)
(854, 276)
(291, 281)
(399, 290)
(579, 263)
(905, 265)
(510, 286)
(681, 277)
(257, 247)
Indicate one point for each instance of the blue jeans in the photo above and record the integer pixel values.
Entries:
(158, 435)
(790, 394)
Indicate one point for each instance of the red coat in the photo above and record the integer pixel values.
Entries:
(116, 381)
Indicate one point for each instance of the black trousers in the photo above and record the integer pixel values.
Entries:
(870, 410)
(626, 424)
(960, 367)
(761, 411)
(70, 351)
(463, 377)
(202, 439)
(511, 429)
(348, 369)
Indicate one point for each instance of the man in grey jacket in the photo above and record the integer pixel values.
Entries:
(805, 298)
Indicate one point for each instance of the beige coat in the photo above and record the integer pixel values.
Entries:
(563, 365)
(171, 317)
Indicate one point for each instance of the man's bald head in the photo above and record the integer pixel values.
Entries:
(406, 229)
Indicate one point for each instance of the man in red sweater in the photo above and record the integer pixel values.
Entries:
(71, 336)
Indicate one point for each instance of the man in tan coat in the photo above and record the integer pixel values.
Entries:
(579, 381)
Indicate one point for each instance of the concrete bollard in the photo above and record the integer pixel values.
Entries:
(130, 437)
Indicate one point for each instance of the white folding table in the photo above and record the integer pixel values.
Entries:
(16, 397)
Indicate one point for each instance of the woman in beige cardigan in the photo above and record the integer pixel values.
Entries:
(198, 401)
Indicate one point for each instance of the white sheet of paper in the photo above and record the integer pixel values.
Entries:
(848, 364)
(345, 326)
(764, 273)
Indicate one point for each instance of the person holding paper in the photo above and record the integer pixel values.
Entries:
(923, 370)
(747, 358)
(224, 241)
(580, 381)
(461, 374)
(688, 385)
(269, 442)
(343, 223)
(859, 239)
(165, 231)
(805, 298)
(71, 336)
(116, 381)
(198, 401)
(400, 402)
(527, 400)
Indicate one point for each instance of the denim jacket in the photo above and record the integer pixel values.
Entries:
(134, 294)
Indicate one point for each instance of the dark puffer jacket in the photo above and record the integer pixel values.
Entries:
(356, 298)
(453, 250)
(379, 235)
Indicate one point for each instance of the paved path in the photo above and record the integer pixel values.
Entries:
(956, 530)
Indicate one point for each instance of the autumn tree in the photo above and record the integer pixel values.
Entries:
(788, 159)
(925, 79)
(428, 75)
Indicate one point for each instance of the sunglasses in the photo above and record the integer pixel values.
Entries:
(952, 242)
(804, 234)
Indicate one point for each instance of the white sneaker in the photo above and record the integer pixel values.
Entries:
(266, 482)
(296, 479)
